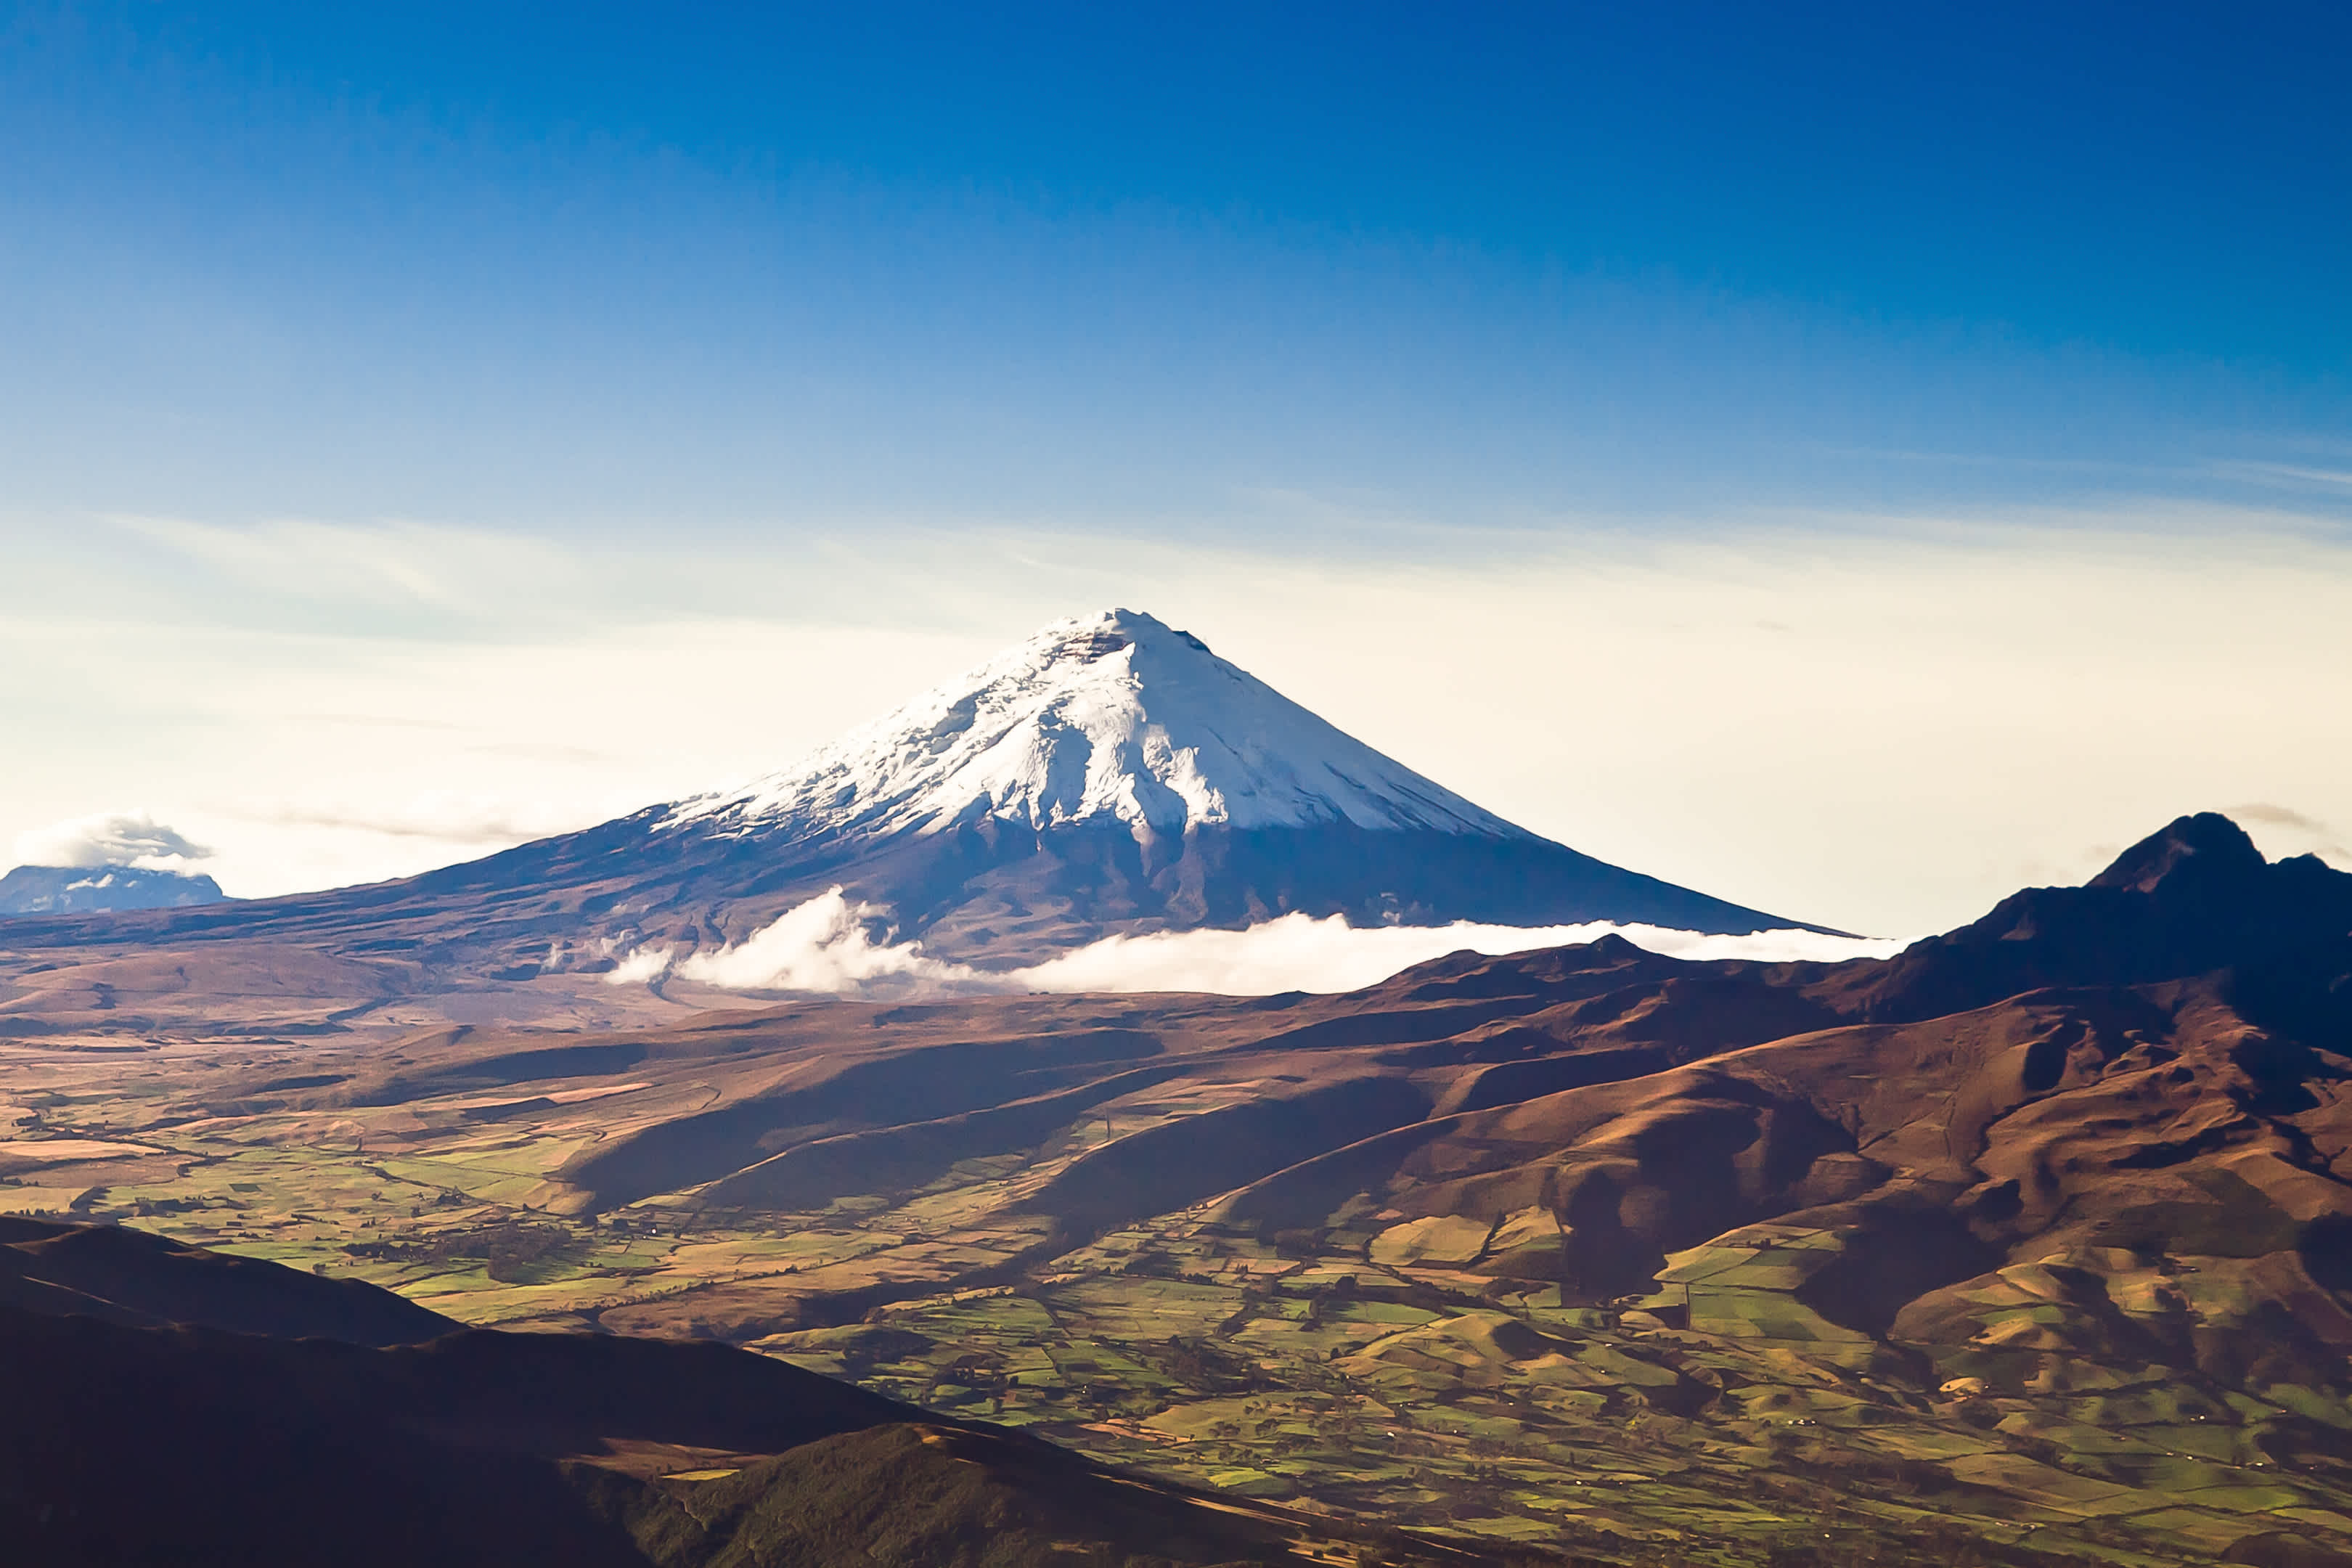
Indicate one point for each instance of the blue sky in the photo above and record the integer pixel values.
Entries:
(565, 268)
(367, 339)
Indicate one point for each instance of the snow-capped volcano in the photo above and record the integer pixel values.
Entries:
(1109, 777)
(1107, 717)
(1111, 774)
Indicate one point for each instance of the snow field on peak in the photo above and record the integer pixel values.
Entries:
(1110, 716)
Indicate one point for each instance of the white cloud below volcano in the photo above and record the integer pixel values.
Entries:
(1297, 952)
(824, 945)
(827, 945)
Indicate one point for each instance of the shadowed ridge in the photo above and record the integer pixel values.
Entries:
(2205, 854)
(123, 1446)
(126, 1276)
(2193, 898)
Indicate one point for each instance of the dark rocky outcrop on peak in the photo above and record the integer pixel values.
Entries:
(2196, 897)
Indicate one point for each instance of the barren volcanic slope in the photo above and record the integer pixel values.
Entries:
(1110, 774)
(2038, 1236)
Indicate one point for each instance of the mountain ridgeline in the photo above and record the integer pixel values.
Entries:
(1109, 776)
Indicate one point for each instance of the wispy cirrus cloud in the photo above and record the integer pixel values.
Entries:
(397, 563)
(446, 816)
(2288, 476)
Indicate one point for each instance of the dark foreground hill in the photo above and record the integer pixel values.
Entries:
(124, 1276)
(123, 1445)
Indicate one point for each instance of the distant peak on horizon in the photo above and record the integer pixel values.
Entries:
(1110, 715)
(31, 890)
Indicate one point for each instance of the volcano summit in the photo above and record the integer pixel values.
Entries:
(1110, 774)
(1109, 719)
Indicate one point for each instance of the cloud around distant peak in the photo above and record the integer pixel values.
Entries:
(2275, 817)
(108, 839)
(829, 945)
(2300, 829)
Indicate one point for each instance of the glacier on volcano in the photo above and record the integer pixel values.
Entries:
(1115, 715)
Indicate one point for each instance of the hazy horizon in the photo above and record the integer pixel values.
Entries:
(1853, 465)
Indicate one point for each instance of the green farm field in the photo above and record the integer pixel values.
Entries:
(1716, 1416)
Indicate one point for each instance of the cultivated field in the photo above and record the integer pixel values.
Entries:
(991, 1255)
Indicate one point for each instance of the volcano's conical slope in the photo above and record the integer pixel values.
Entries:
(1110, 774)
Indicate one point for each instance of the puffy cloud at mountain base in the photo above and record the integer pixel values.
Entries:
(825, 944)
(1297, 952)
(829, 945)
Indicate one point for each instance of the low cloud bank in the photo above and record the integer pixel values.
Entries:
(825, 944)
(1300, 954)
(829, 945)
(108, 839)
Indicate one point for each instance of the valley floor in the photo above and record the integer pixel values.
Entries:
(1360, 1369)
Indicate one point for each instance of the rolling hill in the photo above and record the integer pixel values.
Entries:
(264, 1436)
